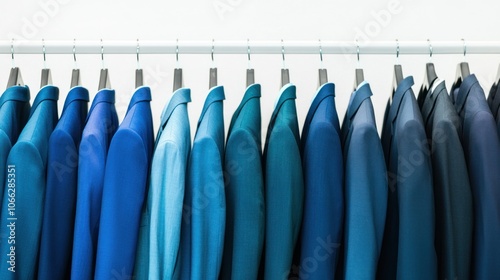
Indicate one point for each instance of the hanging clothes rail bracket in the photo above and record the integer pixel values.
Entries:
(258, 47)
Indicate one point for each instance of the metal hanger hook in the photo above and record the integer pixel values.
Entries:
(43, 50)
(12, 49)
(397, 48)
(213, 50)
(137, 51)
(357, 49)
(430, 48)
(102, 51)
(74, 50)
(283, 50)
(248, 49)
(177, 50)
(465, 47)
(320, 51)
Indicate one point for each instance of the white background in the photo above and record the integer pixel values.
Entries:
(238, 20)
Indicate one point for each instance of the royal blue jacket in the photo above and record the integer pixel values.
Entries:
(125, 183)
(101, 124)
(60, 199)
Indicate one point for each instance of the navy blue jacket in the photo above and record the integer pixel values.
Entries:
(60, 198)
(452, 191)
(408, 245)
(482, 152)
(323, 218)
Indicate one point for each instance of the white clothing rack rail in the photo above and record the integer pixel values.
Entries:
(244, 46)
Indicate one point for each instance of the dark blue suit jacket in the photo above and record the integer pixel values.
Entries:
(323, 217)
(101, 124)
(284, 187)
(60, 198)
(14, 113)
(124, 192)
(482, 152)
(452, 191)
(365, 187)
(204, 217)
(244, 238)
(494, 103)
(408, 245)
(28, 157)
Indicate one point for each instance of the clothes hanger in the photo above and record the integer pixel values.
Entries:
(104, 75)
(430, 73)
(15, 78)
(322, 73)
(46, 75)
(75, 74)
(359, 76)
(285, 74)
(398, 71)
(139, 77)
(250, 71)
(462, 68)
(213, 71)
(497, 79)
(178, 82)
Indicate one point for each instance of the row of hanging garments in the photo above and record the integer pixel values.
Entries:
(85, 197)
